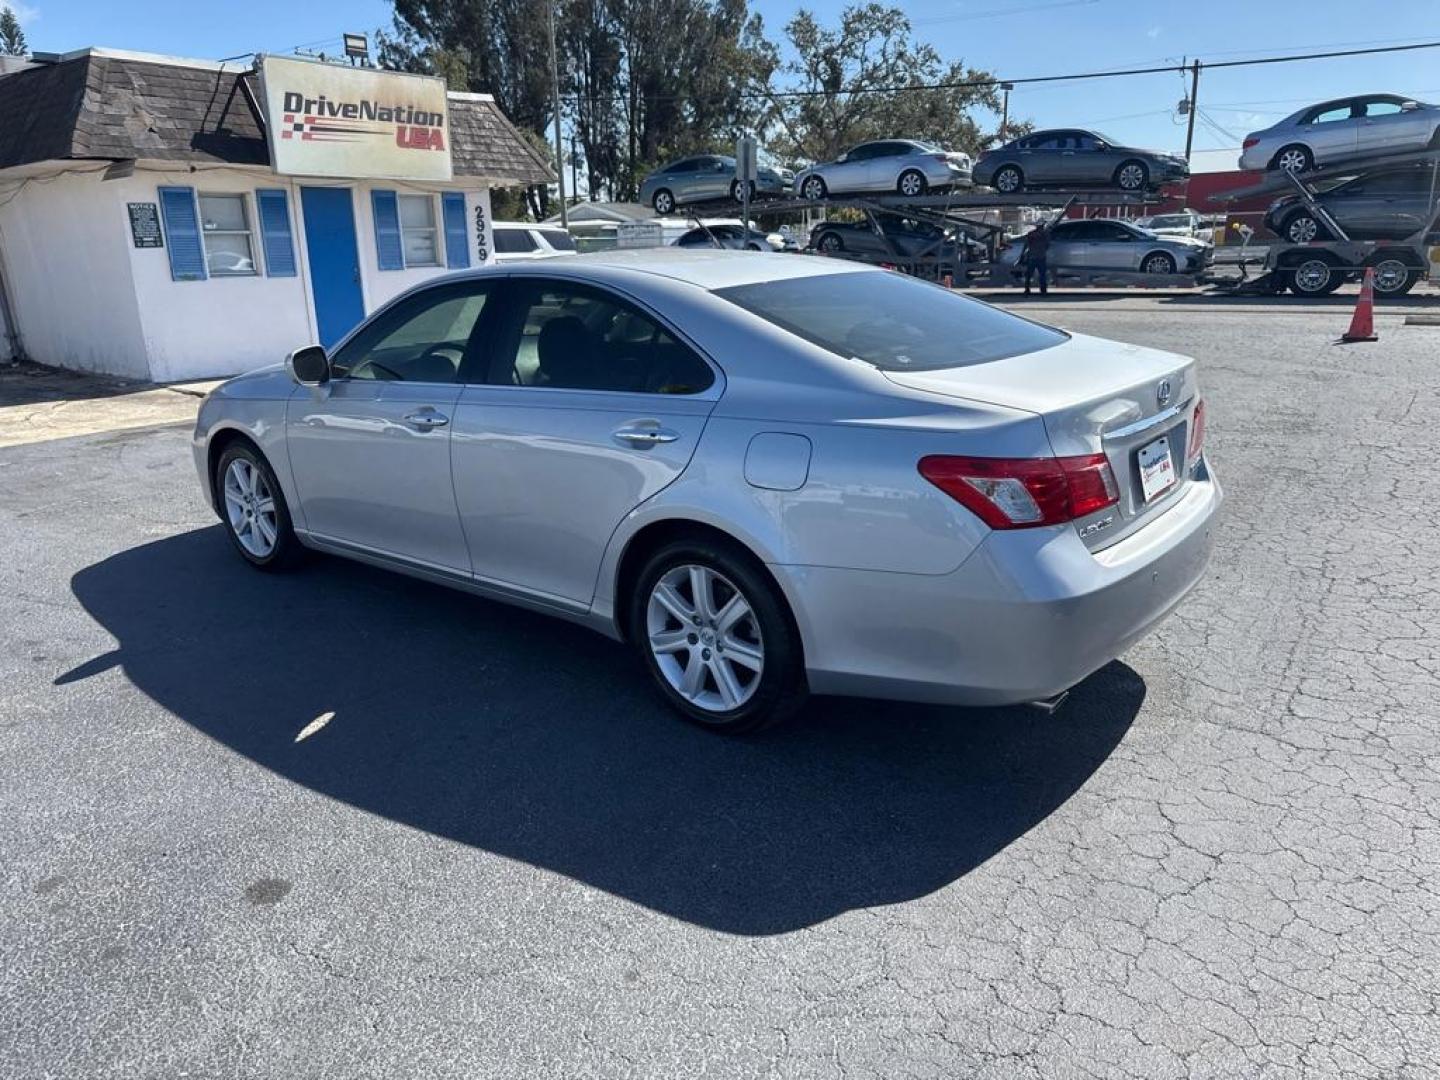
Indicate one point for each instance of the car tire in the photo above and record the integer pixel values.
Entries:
(1132, 176)
(253, 510)
(1295, 158)
(1394, 277)
(814, 189)
(1303, 228)
(686, 658)
(1008, 179)
(912, 184)
(830, 243)
(1159, 262)
(1315, 277)
(752, 246)
(663, 203)
(736, 191)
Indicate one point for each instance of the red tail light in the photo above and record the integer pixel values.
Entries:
(1197, 434)
(1249, 143)
(1022, 493)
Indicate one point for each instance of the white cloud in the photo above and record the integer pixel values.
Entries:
(24, 12)
(1154, 32)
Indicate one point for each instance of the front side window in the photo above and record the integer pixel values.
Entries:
(423, 338)
(891, 321)
(225, 225)
(1383, 107)
(418, 237)
(572, 337)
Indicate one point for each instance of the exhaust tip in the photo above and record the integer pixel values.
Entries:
(1049, 706)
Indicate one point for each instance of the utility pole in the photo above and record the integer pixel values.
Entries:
(1190, 126)
(574, 168)
(559, 142)
(1005, 109)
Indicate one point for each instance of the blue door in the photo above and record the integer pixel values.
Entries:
(334, 261)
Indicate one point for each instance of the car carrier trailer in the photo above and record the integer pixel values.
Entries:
(1319, 267)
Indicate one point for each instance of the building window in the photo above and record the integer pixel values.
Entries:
(417, 230)
(225, 224)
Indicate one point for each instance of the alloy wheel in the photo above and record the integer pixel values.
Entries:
(1132, 177)
(1312, 276)
(664, 202)
(1159, 264)
(912, 184)
(1007, 180)
(1302, 230)
(250, 508)
(1293, 159)
(814, 188)
(705, 638)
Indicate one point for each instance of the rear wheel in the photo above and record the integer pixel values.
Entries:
(912, 183)
(714, 632)
(737, 193)
(1394, 277)
(1132, 176)
(253, 508)
(813, 188)
(664, 202)
(1295, 158)
(830, 243)
(1315, 277)
(1009, 179)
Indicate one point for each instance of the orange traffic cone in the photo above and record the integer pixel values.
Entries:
(1362, 324)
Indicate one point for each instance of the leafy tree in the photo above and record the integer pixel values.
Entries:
(864, 80)
(12, 38)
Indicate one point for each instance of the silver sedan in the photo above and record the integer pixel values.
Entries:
(903, 166)
(770, 475)
(1348, 128)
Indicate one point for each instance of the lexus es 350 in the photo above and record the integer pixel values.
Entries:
(770, 475)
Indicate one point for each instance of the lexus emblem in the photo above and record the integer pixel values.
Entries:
(1162, 392)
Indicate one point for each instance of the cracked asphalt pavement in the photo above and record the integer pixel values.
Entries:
(343, 824)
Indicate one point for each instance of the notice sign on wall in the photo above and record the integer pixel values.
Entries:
(330, 120)
(145, 225)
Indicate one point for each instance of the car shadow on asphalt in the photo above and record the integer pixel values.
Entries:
(538, 740)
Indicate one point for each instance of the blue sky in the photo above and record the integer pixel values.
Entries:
(1013, 38)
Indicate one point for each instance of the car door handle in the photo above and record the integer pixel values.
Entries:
(427, 420)
(645, 436)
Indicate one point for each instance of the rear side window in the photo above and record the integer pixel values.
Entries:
(512, 241)
(892, 322)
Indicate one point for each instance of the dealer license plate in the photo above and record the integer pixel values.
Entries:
(1157, 470)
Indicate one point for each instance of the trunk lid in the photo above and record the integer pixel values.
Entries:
(1094, 396)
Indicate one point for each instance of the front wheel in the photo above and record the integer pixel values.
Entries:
(664, 202)
(1296, 159)
(714, 632)
(737, 193)
(1009, 180)
(1158, 263)
(1304, 228)
(830, 243)
(813, 188)
(253, 508)
(1132, 176)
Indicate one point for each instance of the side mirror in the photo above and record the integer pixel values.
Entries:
(1409, 106)
(309, 366)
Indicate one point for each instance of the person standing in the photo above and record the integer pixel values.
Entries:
(1035, 255)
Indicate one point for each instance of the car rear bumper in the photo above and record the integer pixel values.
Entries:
(1030, 614)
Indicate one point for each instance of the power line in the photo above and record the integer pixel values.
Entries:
(995, 13)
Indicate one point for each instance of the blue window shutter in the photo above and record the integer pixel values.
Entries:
(387, 230)
(182, 233)
(275, 232)
(457, 242)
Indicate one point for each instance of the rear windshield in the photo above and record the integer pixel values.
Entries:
(891, 321)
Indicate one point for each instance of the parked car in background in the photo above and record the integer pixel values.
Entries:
(1116, 245)
(705, 177)
(1339, 130)
(980, 510)
(896, 166)
(1388, 204)
(1070, 157)
(516, 241)
(1183, 223)
(732, 235)
(914, 239)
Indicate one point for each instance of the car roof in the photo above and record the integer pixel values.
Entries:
(706, 268)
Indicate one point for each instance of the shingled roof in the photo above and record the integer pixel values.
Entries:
(95, 105)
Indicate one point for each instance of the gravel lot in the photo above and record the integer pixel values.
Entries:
(500, 858)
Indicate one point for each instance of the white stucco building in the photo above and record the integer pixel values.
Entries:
(145, 233)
